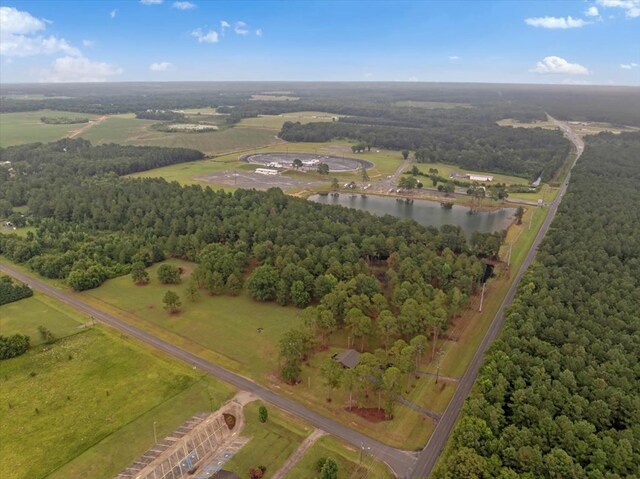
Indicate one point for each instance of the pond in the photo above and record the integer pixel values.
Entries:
(428, 213)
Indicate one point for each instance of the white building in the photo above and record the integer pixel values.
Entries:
(480, 178)
(266, 171)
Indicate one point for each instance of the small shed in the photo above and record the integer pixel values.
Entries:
(349, 358)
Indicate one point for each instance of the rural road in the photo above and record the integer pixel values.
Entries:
(429, 455)
(399, 461)
(403, 463)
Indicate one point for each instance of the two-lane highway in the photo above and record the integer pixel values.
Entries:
(429, 455)
(399, 461)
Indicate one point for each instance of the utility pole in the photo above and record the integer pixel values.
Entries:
(482, 297)
(439, 356)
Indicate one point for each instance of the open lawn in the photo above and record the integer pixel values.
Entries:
(26, 315)
(271, 442)
(275, 122)
(80, 392)
(26, 127)
(350, 464)
(224, 324)
(445, 171)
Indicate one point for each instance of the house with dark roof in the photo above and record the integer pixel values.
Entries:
(349, 358)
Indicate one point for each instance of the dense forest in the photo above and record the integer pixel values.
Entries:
(486, 147)
(559, 393)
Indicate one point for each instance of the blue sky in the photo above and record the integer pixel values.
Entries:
(590, 42)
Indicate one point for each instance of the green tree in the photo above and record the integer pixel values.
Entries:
(169, 274)
(299, 294)
(234, 284)
(331, 371)
(263, 283)
(139, 274)
(297, 163)
(392, 384)
(171, 302)
(359, 323)
(191, 291)
(519, 214)
(323, 169)
(263, 414)
(46, 335)
(329, 469)
(387, 326)
(405, 154)
(335, 186)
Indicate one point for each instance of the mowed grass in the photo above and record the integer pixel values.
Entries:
(271, 442)
(127, 130)
(59, 401)
(224, 324)
(118, 450)
(275, 122)
(26, 127)
(348, 460)
(26, 315)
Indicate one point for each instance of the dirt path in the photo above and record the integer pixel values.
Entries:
(89, 125)
(298, 453)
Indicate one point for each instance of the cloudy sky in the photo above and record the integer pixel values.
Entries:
(574, 42)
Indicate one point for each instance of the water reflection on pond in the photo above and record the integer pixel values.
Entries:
(428, 213)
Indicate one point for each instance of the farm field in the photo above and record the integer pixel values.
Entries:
(26, 127)
(581, 128)
(128, 130)
(88, 391)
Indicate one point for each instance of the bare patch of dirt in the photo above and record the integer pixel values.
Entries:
(371, 414)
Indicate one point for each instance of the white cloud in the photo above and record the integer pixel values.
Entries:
(556, 22)
(224, 24)
(113, 13)
(79, 69)
(241, 28)
(88, 43)
(161, 67)
(19, 38)
(592, 12)
(259, 32)
(209, 37)
(184, 5)
(454, 57)
(412, 79)
(628, 66)
(631, 7)
(555, 64)
(14, 21)
(151, 2)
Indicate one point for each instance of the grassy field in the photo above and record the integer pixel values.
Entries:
(83, 390)
(271, 442)
(226, 325)
(127, 130)
(26, 127)
(275, 122)
(26, 315)
(348, 460)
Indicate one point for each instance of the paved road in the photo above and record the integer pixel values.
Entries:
(399, 461)
(429, 455)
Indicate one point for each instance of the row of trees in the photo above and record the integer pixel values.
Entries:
(10, 292)
(559, 393)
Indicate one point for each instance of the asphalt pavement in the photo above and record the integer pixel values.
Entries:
(429, 455)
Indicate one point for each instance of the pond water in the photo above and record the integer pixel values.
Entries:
(428, 213)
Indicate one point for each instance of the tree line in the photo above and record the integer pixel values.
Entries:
(558, 395)
(10, 292)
